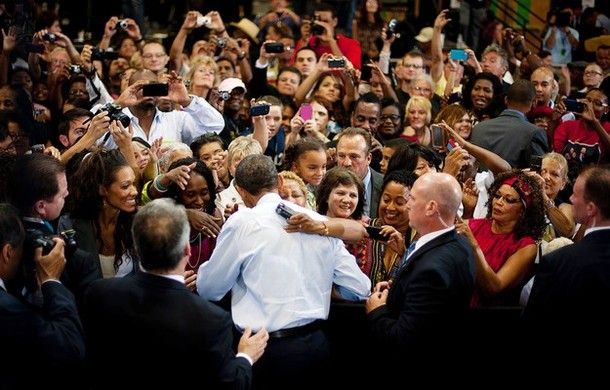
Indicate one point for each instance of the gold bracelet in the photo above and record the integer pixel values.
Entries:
(325, 232)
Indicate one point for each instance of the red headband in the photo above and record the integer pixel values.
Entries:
(523, 189)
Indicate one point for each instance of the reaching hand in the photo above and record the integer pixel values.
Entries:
(442, 19)
(9, 40)
(253, 345)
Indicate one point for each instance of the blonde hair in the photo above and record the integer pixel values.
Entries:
(242, 147)
(202, 60)
(559, 159)
(289, 175)
(420, 101)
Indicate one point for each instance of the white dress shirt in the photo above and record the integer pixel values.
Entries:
(184, 126)
(278, 279)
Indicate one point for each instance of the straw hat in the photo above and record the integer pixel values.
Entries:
(247, 27)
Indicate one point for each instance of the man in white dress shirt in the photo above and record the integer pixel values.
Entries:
(197, 117)
(279, 281)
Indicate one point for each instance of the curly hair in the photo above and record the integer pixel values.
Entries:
(85, 202)
(532, 221)
(334, 178)
(200, 168)
(497, 103)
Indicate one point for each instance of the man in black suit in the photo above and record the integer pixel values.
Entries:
(567, 312)
(38, 188)
(510, 135)
(418, 318)
(354, 147)
(152, 318)
(48, 341)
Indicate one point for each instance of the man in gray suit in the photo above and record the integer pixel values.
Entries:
(354, 153)
(510, 135)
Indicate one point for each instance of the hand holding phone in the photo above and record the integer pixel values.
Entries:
(437, 136)
(306, 111)
(155, 89)
(274, 47)
(374, 233)
(458, 55)
(284, 211)
(259, 110)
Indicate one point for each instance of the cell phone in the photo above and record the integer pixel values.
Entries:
(458, 55)
(366, 73)
(455, 97)
(155, 89)
(259, 109)
(437, 136)
(335, 63)
(375, 233)
(536, 163)
(574, 105)
(450, 145)
(284, 211)
(274, 47)
(306, 111)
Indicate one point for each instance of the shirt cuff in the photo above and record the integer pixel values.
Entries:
(51, 280)
(245, 356)
(260, 65)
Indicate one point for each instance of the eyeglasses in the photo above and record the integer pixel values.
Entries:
(414, 66)
(593, 73)
(393, 117)
(498, 196)
(150, 56)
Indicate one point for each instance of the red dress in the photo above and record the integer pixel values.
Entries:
(497, 248)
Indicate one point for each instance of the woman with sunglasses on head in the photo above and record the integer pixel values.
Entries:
(504, 243)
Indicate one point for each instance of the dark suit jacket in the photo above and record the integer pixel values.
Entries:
(174, 334)
(567, 312)
(36, 343)
(376, 182)
(427, 304)
(511, 137)
(81, 267)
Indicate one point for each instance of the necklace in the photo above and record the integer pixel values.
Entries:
(198, 239)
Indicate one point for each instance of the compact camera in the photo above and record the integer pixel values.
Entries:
(334, 63)
(203, 21)
(49, 37)
(98, 54)
(75, 69)
(122, 24)
(317, 29)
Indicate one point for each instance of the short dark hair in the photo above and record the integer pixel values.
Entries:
(34, 178)
(597, 187)
(290, 69)
(368, 97)
(256, 173)
(396, 143)
(521, 92)
(326, 7)
(11, 229)
(405, 158)
(307, 48)
(336, 177)
(297, 149)
(356, 131)
(69, 116)
(160, 233)
(205, 139)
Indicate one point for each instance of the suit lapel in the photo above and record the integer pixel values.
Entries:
(420, 252)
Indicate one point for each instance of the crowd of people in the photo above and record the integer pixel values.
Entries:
(202, 203)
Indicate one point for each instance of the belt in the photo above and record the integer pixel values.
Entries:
(297, 330)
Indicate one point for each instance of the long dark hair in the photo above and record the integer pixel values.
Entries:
(497, 102)
(85, 202)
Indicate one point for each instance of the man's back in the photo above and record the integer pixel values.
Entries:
(279, 279)
(511, 137)
(157, 322)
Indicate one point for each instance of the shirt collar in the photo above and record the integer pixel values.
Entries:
(2, 286)
(430, 236)
(176, 277)
(595, 229)
(515, 112)
(367, 179)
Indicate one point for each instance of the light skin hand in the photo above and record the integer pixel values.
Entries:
(190, 279)
(52, 265)
(377, 299)
(180, 175)
(253, 345)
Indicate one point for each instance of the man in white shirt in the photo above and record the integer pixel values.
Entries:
(279, 281)
(196, 118)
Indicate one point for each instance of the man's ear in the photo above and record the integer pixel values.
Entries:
(6, 251)
(39, 208)
(64, 140)
(335, 21)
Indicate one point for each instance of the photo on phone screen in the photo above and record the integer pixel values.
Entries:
(437, 135)
(155, 89)
(306, 111)
(375, 233)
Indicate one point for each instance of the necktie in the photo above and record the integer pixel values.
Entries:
(405, 258)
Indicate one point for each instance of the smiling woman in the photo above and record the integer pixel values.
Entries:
(102, 202)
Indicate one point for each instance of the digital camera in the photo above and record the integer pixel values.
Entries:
(44, 241)
(115, 113)
(98, 54)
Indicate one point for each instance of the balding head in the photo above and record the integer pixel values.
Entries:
(434, 202)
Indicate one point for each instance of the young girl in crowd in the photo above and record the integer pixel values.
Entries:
(307, 158)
